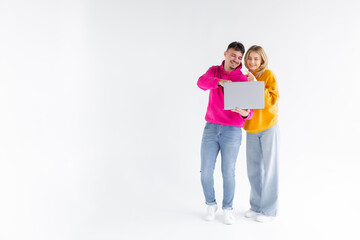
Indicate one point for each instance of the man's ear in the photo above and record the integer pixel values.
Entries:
(225, 53)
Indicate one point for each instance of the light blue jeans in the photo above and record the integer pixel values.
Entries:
(262, 156)
(227, 140)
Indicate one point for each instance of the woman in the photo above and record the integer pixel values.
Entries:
(262, 141)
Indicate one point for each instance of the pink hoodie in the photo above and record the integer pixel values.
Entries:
(215, 111)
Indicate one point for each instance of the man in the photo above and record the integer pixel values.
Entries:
(222, 131)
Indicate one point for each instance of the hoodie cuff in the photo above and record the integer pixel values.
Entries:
(249, 116)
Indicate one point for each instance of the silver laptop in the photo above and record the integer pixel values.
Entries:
(244, 95)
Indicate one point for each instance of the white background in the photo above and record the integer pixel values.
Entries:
(101, 119)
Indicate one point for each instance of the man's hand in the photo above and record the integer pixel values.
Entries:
(221, 82)
(251, 77)
(242, 112)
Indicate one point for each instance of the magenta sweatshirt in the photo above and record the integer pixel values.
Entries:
(215, 110)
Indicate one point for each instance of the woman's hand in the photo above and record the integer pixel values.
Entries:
(242, 112)
(251, 77)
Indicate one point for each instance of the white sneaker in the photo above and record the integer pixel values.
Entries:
(250, 214)
(210, 212)
(228, 217)
(262, 218)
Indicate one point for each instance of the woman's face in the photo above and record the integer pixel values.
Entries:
(253, 61)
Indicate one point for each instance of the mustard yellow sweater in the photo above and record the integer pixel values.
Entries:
(267, 117)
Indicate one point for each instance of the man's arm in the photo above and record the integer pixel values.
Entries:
(245, 113)
(209, 81)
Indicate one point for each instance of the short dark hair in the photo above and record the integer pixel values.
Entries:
(237, 46)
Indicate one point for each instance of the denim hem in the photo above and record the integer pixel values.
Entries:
(227, 208)
(268, 215)
(257, 211)
(211, 204)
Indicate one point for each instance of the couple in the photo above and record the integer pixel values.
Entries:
(223, 132)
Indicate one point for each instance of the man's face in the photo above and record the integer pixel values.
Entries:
(232, 59)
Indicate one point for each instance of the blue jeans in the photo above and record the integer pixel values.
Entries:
(262, 155)
(227, 140)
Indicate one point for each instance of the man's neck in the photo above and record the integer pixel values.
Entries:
(228, 69)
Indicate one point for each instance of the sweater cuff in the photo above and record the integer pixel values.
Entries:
(248, 116)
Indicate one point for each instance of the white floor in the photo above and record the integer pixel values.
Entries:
(317, 201)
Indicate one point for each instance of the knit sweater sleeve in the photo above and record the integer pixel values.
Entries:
(208, 80)
(271, 90)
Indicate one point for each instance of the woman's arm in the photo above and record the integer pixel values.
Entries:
(271, 90)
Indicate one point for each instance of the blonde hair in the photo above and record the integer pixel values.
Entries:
(264, 59)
